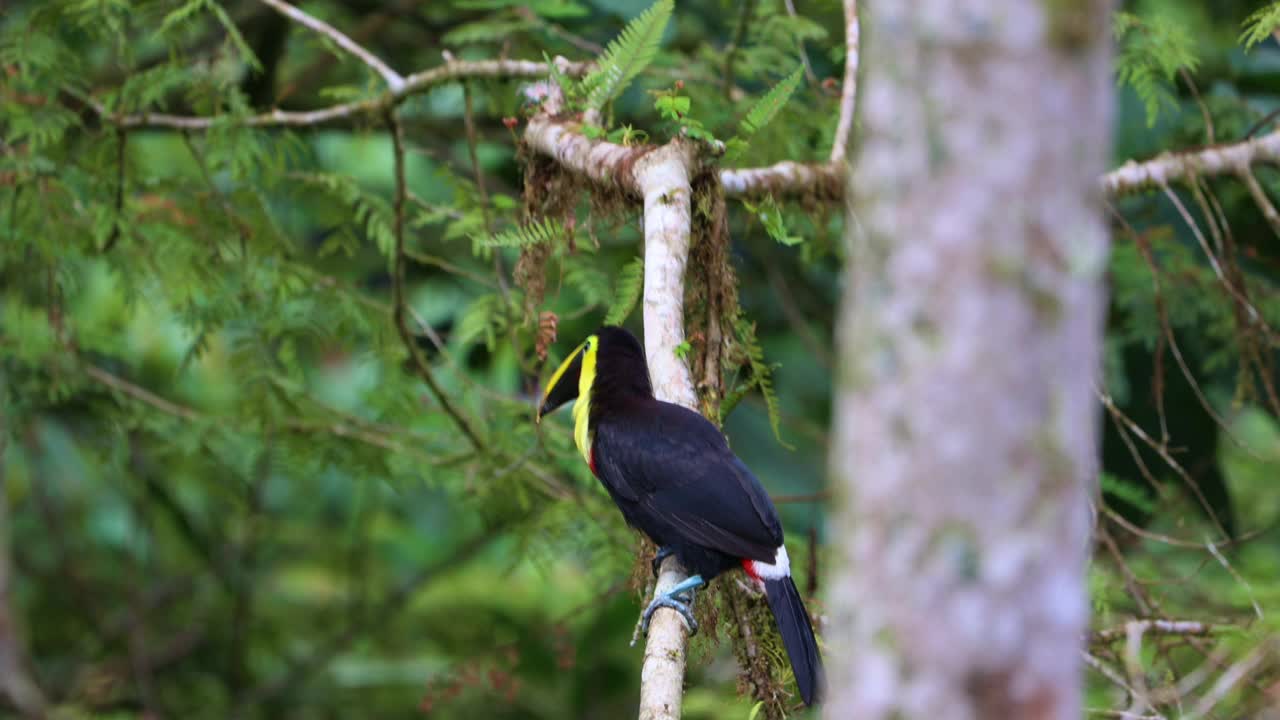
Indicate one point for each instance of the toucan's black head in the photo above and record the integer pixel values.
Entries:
(607, 366)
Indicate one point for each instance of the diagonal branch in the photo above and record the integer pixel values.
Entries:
(398, 303)
(395, 81)
(1260, 198)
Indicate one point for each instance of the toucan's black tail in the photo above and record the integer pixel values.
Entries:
(797, 636)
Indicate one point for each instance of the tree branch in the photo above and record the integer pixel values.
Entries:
(1158, 626)
(394, 80)
(398, 302)
(821, 181)
(1160, 171)
(849, 91)
(415, 84)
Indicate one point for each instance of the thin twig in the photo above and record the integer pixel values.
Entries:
(1146, 604)
(395, 81)
(1230, 679)
(1204, 109)
(142, 394)
(1222, 560)
(1260, 198)
(1164, 454)
(804, 54)
(398, 302)
(1110, 674)
(1253, 129)
(122, 138)
(469, 123)
(747, 9)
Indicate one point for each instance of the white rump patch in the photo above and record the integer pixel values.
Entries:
(780, 568)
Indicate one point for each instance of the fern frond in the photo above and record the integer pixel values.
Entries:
(538, 231)
(590, 281)
(1260, 25)
(630, 283)
(763, 112)
(372, 213)
(761, 374)
(233, 33)
(482, 319)
(187, 11)
(1152, 51)
(489, 30)
(627, 55)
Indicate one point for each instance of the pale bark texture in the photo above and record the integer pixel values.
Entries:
(663, 177)
(966, 427)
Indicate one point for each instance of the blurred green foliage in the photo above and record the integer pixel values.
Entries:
(230, 494)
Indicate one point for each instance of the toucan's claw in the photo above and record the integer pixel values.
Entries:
(680, 603)
(663, 553)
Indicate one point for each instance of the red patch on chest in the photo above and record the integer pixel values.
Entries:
(750, 567)
(591, 462)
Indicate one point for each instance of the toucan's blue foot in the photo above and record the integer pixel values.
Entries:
(663, 553)
(678, 598)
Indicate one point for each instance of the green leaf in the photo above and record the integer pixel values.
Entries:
(627, 55)
(1260, 25)
(1152, 52)
(188, 11)
(672, 107)
(630, 283)
(761, 375)
(1127, 492)
(551, 9)
(538, 231)
(768, 106)
(482, 319)
(770, 216)
(489, 30)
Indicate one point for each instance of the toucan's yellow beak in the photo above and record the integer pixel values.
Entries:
(563, 385)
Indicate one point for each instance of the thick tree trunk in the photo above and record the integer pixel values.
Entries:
(966, 421)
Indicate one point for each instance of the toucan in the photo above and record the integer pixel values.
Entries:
(673, 476)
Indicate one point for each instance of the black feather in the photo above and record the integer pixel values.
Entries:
(797, 637)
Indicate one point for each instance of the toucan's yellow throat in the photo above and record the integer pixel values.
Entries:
(572, 381)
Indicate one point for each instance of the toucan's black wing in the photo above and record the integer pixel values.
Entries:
(671, 472)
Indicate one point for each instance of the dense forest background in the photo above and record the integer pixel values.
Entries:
(235, 481)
